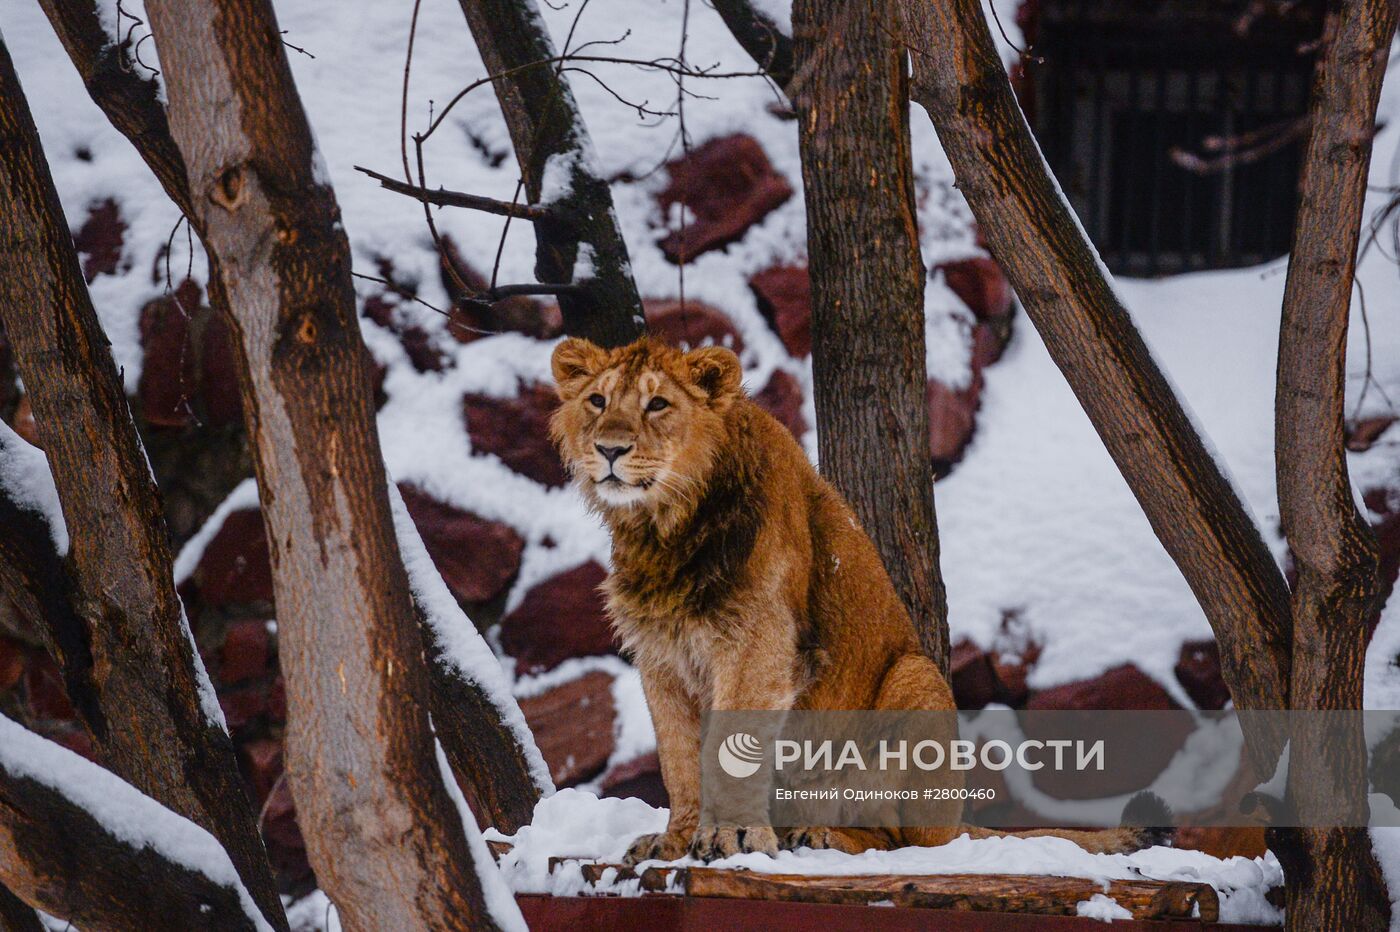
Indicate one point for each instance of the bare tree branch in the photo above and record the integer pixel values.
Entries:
(444, 198)
(550, 138)
(1334, 881)
(157, 728)
(960, 80)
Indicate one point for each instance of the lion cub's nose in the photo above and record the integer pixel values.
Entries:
(611, 454)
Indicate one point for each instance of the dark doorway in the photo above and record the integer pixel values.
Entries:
(1176, 126)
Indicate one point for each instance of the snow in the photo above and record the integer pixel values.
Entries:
(25, 477)
(120, 808)
(243, 496)
(1041, 539)
(500, 902)
(1102, 908)
(576, 824)
(461, 645)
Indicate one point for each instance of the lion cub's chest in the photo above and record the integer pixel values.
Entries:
(683, 647)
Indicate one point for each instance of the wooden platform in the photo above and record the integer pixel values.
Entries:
(709, 899)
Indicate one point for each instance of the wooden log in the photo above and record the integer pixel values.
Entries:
(1008, 893)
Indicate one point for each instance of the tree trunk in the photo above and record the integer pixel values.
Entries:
(1031, 231)
(490, 758)
(1333, 879)
(550, 138)
(155, 719)
(78, 843)
(382, 832)
(761, 37)
(868, 358)
(17, 915)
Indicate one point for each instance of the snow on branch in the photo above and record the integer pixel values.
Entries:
(74, 837)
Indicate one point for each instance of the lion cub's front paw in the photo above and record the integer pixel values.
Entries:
(658, 846)
(710, 844)
(821, 837)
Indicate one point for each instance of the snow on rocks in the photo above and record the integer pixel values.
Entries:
(724, 186)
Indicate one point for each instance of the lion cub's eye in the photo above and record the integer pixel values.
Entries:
(598, 401)
(658, 404)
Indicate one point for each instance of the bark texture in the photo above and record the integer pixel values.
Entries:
(17, 915)
(382, 833)
(764, 40)
(142, 691)
(868, 358)
(486, 756)
(1333, 879)
(580, 238)
(959, 79)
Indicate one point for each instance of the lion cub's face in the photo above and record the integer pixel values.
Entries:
(639, 425)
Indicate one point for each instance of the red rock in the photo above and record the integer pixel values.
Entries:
(235, 568)
(476, 557)
(560, 618)
(693, 326)
(988, 342)
(517, 431)
(75, 739)
(1361, 435)
(971, 676)
(639, 778)
(189, 375)
(729, 185)
(1123, 687)
(244, 705)
(218, 377)
(277, 701)
(980, 284)
(285, 846)
(43, 686)
(12, 663)
(1011, 672)
(784, 296)
(262, 766)
(246, 652)
(168, 381)
(99, 241)
(471, 321)
(782, 398)
(952, 417)
(24, 424)
(1385, 522)
(573, 726)
(1198, 672)
(1138, 757)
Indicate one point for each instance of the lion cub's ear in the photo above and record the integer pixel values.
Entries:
(716, 371)
(575, 361)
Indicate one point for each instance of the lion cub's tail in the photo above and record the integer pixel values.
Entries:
(1146, 820)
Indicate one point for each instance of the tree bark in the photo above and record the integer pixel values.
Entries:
(1333, 879)
(767, 44)
(17, 915)
(581, 237)
(868, 358)
(58, 854)
(382, 833)
(1031, 231)
(153, 718)
(489, 758)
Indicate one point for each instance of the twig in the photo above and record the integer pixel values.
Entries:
(445, 198)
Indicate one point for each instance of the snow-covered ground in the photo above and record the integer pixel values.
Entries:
(1035, 522)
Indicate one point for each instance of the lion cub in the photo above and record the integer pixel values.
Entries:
(740, 578)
